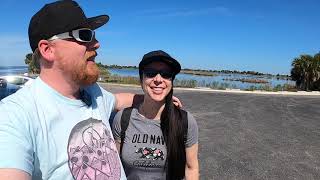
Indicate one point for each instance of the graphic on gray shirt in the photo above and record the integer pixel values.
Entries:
(144, 149)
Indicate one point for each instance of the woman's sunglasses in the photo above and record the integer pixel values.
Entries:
(81, 35)
(151, 73)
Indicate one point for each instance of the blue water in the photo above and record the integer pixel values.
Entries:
(6, 70)
(202, 80)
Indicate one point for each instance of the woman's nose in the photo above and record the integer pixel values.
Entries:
(158, 78)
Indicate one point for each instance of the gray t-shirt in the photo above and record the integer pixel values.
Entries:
(144, 150)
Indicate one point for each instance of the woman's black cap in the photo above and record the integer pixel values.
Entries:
(161, 56)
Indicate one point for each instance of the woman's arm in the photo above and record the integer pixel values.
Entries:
(14, 174)
(124, 100)
(192, 165)
(116, 129)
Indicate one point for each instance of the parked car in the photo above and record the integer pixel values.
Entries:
(7, 88)
(17, 79)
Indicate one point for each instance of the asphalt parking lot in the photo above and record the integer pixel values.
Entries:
(253, 136)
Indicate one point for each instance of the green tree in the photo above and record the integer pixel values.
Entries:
(306, 72)
(32, 66)
(28, 59)
(104, 73)
(317, 71)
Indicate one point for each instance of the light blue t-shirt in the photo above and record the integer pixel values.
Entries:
(54, 137)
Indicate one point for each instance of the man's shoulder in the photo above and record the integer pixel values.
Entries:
(96, 90)
(101, 96)
(20, 98)
(18, 107)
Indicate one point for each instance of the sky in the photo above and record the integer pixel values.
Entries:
(256, 35)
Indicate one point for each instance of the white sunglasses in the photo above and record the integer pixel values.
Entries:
(81, 35)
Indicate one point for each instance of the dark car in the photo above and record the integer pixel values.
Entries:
(6, 88)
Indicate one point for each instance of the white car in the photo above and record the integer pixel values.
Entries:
(18, 79)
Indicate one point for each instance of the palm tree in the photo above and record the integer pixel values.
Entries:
(299, 71)
(316, 65)
(306, 72)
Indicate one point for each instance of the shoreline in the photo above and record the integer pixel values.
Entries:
(204, 89)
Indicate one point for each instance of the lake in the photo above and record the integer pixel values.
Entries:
(219, 78)
(6, 70)
(201, 80)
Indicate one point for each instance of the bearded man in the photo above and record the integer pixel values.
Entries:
(57, 127)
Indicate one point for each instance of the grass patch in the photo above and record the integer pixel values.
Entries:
(267, 87)
(198, 73)
(193, 83)
(185, 83)
(216, 85)
(121, 79)
(246, 80)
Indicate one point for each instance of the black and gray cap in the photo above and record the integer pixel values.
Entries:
(59, 17)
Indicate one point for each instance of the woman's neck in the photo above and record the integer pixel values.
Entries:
(151, 109)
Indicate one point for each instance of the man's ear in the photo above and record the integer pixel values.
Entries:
(46, 50)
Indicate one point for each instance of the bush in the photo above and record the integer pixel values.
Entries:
(185, 83)
(122, 80)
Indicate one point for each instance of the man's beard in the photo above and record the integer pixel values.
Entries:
(86, 74)
(83, 72)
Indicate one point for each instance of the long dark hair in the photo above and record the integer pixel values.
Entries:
(173, 130)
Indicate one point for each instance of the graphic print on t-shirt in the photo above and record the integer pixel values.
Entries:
(148, 150)
(92, 152)
(150, 153)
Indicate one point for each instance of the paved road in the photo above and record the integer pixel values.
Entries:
(248, 136)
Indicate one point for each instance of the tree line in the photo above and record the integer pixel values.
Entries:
(305, 70)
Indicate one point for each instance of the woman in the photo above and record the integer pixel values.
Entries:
(160, 140)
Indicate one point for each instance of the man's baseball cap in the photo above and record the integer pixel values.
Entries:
(161, 56)
(59, 17)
